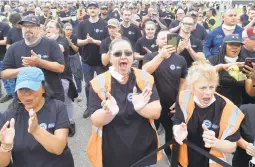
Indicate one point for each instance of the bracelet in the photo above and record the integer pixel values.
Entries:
(5, 150)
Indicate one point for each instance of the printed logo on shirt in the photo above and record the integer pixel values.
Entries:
(52, 125)
(43, 126)
(207, 123)
(172, 67)
(215, 126)
(40, 56)
(45, 57)
(178, 67)
(97, 30)
(153, 46)
(130, 97)
(130, 33)
(193, 46)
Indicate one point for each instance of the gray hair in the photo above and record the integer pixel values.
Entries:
(67, 25)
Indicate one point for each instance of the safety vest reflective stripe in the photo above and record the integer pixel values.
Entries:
(184, 104)
(213, 162)
(232, 123)
(101, 85)
(98, 131)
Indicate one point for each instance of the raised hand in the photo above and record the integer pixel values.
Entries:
(32, 61)
(208, 137)
(110, 104)
(32, 122)
(250, 150)
(180, 133)
(141, 100)
(7, 134)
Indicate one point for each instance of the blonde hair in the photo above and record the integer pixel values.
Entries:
(199, 69)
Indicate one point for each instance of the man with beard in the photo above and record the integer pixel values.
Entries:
(90, 34)
(35, 51)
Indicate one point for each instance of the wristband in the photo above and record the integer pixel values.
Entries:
(5, 150)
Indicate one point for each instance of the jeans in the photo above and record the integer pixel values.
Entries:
(0, 79)
(78, 84)
(9, 84)
(88, 72)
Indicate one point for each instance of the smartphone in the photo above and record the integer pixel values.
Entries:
(249, 61)
(172, 40)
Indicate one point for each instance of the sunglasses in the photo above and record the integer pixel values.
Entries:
(119, 53)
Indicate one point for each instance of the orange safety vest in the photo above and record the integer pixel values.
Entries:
(230, 121)
(102, 84)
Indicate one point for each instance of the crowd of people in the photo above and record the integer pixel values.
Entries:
(186, 69)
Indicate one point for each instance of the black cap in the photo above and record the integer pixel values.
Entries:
(93, 3)
(30, 19)
(233, 38)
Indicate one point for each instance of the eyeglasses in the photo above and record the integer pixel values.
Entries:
(188, 24)
(119, 53)
(200, 16)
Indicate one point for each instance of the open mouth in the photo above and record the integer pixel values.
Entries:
(206, 100)
(123, 65)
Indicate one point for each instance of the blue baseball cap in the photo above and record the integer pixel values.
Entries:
(29, 77)
(93, 3)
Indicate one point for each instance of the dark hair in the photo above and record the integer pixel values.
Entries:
(222, 53)
(18, 106)
(15, 18)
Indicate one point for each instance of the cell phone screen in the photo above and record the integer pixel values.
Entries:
(172, 40)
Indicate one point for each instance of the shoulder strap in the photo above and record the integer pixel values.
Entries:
(143, 79)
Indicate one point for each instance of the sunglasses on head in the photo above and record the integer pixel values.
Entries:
(119, 53)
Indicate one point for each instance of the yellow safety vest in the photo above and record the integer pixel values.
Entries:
(230, 122)
(102, 84)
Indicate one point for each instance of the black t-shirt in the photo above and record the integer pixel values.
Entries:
(246, 22)
(148, 43)
(74, 41)
(64, 14)
(200, 32)
(128, 137)
(98, 31)
(48, 50)
(209, 116)
(14, 35)
(67, 74)
(27, 151)
(174, 24)
(228, 86)
(168, 17)
(196, 45)
(241, 158)
(42, 19)
(143, 13)
(167, 76)
(4, 28)
(133, 33)
(246, 98)
(114, 14)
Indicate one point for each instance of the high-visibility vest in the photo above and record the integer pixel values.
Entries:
(211, 27)
(102, 84)
(231, 119)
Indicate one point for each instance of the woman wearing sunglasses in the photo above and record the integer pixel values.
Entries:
(123, 102)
